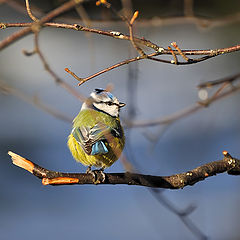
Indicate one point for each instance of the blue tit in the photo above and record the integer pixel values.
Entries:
(97, 138)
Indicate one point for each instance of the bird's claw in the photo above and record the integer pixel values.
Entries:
(98, 175)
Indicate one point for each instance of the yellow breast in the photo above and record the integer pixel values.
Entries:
(114, 144)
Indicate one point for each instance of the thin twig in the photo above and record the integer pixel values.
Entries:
(30, 12)
(175, 60)
(54, 13)
(158, 194)
(35, 29)
(212, 53)
(183, 214)
(73, 74)
(57, 79)
(83, 80)
(6, 89)
(182, 113)
(130, 26)
(210, 84)
(188, 18)
(215, 95)
(174, 44)
(21, 7)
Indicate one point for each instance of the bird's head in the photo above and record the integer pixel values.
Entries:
(104, 101)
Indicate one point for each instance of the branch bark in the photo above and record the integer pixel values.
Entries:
(227, 164)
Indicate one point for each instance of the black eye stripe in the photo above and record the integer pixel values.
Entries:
(109, 103)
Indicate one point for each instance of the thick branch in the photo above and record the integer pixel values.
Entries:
(227, 164)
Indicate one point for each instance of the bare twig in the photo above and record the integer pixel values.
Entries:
(21, 7)
(56, 12)
(209, 53)
(188, 18)
(34, 101)
(83, 14)
(35, 27)
(175, 60)
(227, 164)
(215, 95)
(30, 12)
(83, 80)
(183, 214)
(174, 44)
(158, 194)
(184, 112)
(73, 74)
(130, 26)
(212, 53)
(117, 35)
(58, 80)
(209, 84)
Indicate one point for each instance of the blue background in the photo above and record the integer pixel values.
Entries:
(30, 210)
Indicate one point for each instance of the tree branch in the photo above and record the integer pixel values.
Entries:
(227, 164)
(190, 109)
(189, 17)
(121, 36)
(21, 33)
(35, 101)
(212, 83)
(209, 54)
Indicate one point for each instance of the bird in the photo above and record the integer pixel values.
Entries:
(97, 137)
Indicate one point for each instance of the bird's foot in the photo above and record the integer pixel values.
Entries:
(89, 171)
(103, 175)
(98, 175)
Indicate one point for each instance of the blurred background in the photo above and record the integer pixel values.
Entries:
(151, 90)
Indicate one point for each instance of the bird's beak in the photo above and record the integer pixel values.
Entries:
(121, 104)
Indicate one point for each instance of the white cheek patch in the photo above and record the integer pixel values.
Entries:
(112, 110)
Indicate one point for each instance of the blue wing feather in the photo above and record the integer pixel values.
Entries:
(99, 148)
(92, 139)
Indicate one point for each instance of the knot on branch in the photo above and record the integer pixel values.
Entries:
(35, 27)
(78, 27)
(233, 164)
(3, 26)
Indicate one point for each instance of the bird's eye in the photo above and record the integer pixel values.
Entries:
(109, 103)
